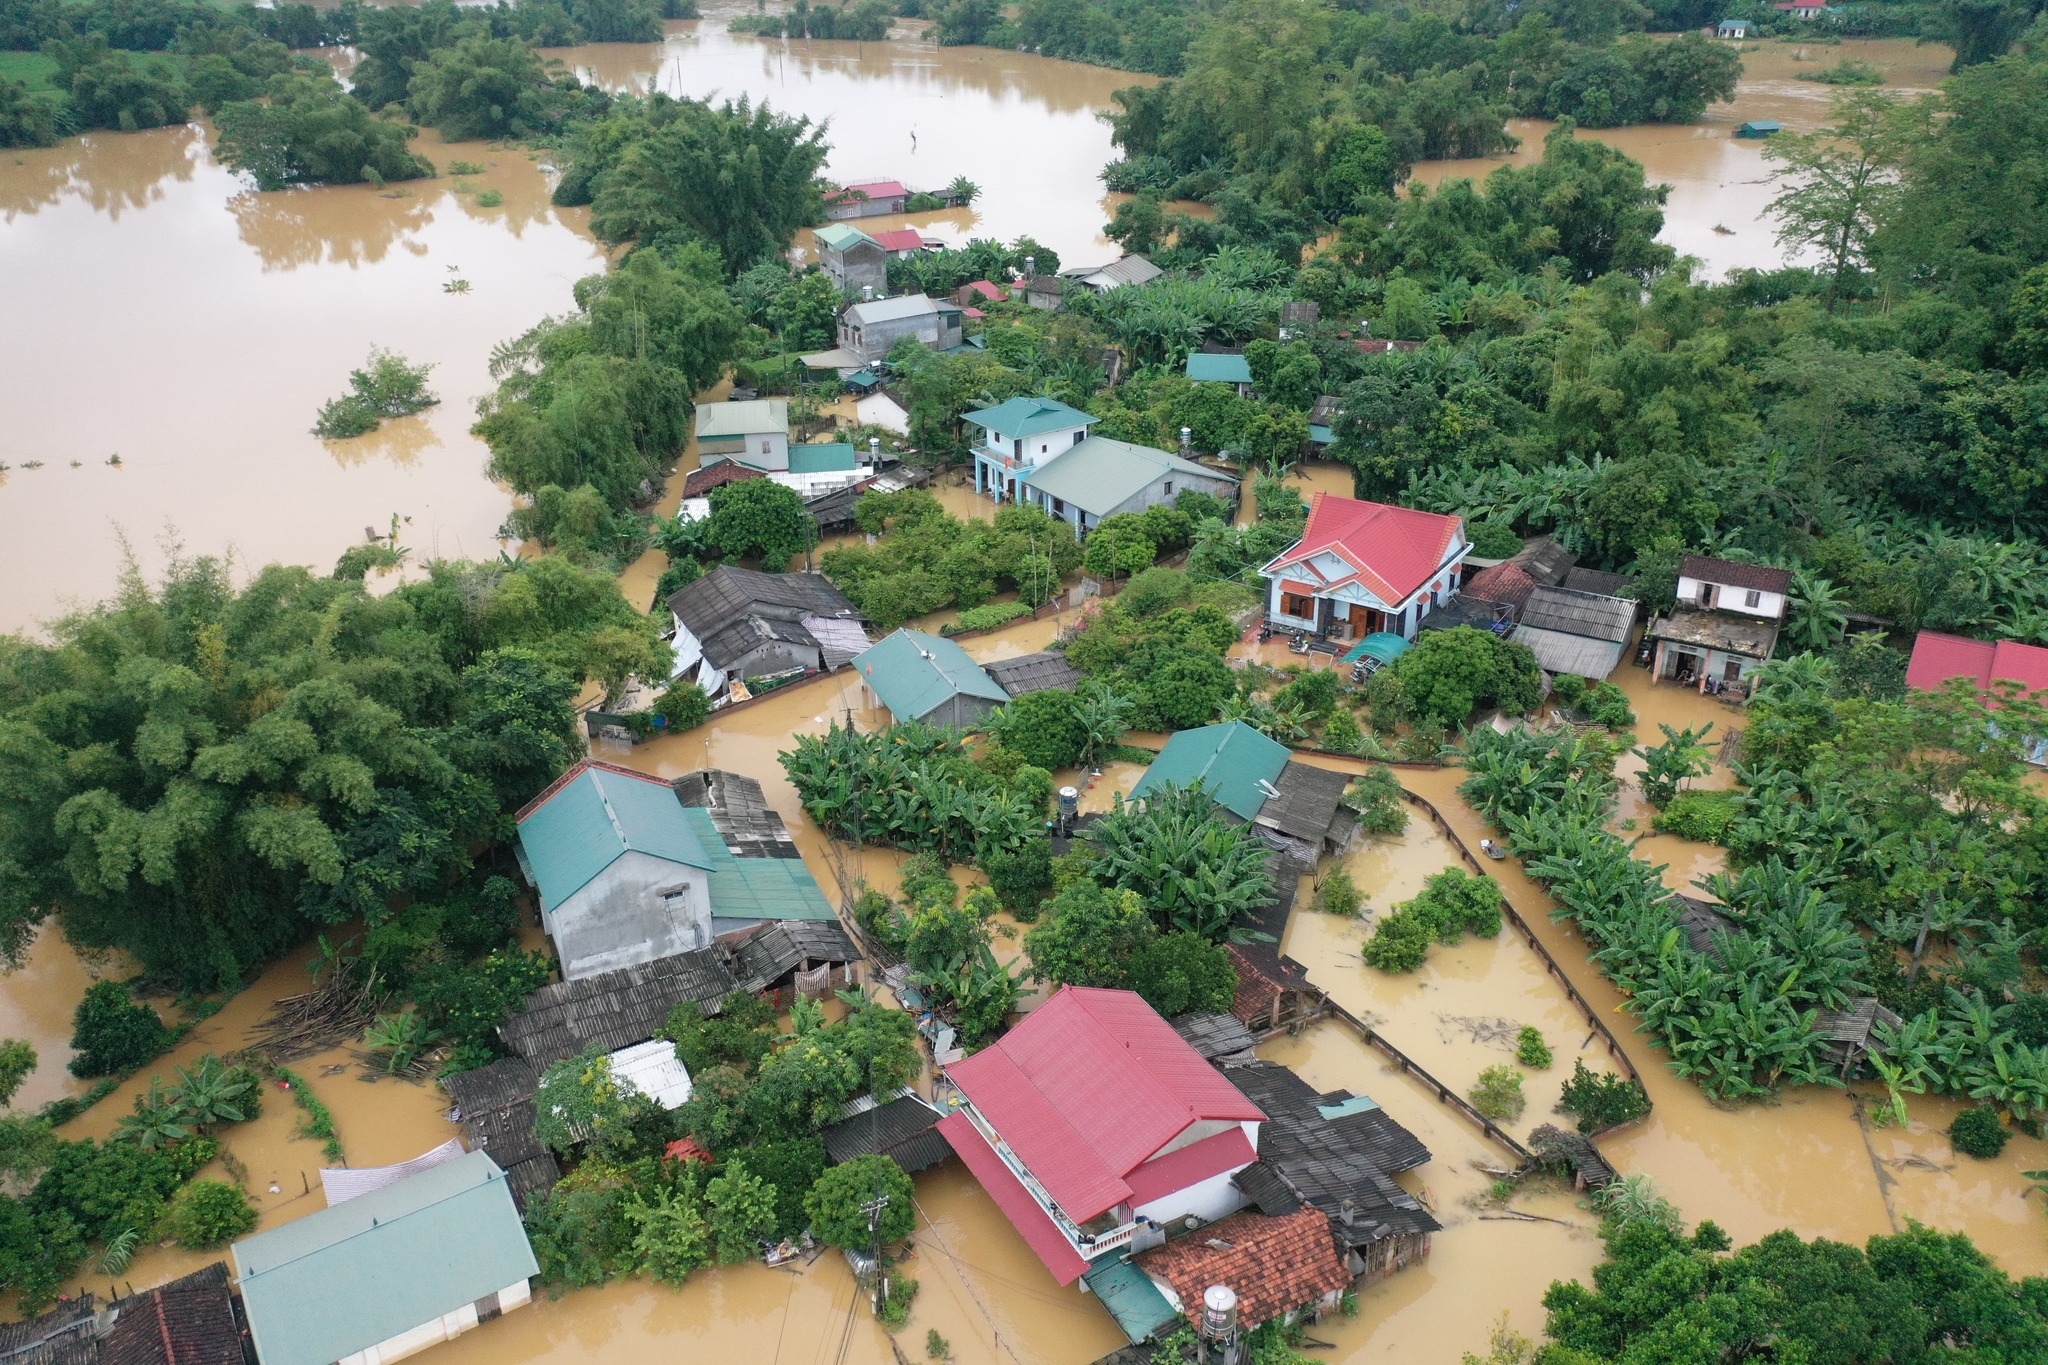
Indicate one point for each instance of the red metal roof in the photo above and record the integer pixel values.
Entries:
(1032, 1222)
(1229, 1150)
(901, 239)
(1088, 1086)
(992, 292)
(1938, 658)
(1390, 550)
(879, 189)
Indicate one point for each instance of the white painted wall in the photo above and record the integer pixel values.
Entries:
(444, 1328)
(1768, 606)
(1036, 450)
(880, 410)
(1209, 1200)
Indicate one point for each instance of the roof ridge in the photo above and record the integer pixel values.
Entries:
(493, 1175)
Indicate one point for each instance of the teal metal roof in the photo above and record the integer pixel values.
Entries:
(755, 888)
(1383, 645)
(1229, 760)
(328, 1285)
(832, 457)
(838, 237)
(1222, 369)
(1021, 417)
(914, 674)
(1100, 475)
(1357, 1104)
(1321, 435)
(586, 824)
(1131, 1298)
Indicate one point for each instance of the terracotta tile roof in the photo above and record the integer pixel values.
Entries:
(1255, 991)
(702, 481)
(1505, 583)
(1391, 551)
(1762, 577)
(1274, 1264)
(1088, 1086)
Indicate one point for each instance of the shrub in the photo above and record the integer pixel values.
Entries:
(489, 199)
(683, 705)
(1606, 704)
(1021, 878)
(1498, 1093)
(208, 1213)
(988, 617)
(1706, 816)
(1452, 904)
(937, 1347)
(1530, 1049)
(1338, 895)
(1600, 1100)
(835, 1201)
(114, 1032)
(1376, 798)
(1493, 539)
(1978, 1132)
(1341, 734)
(1176, 973)
(896, 1308)
(387, 387)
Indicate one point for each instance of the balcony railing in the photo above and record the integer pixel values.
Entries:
(1087, 1246)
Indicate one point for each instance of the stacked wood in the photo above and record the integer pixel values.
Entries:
(300, 1025)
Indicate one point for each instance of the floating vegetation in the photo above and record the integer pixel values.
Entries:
(386, 387)
(115, 459)
(489, 199)
(31, 464)
(455, 286)
(464, 168)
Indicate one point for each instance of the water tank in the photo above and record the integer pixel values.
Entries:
(1070, 803)
(1219, 1312)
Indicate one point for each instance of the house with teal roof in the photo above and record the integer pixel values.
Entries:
(390, 1272)
(1233, 370)
(853, 260)
(1017, 437)
(1101, 477)
(1256, 779)
(928, 678)
(627, 873)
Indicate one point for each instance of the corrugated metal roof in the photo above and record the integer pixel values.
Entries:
(893, 310)
(1032, 1222)
(1088, 1086)
(761, 416)
(325, 1286)
(1310, 806)
(914, 674)
(1590, 614)
(588, 822)
(1039, 672)
(1100, 475)
(1132, 1299)
(1229, 759)
(839, 237)
(1557, 652)
(1021, 417)
(615, 1008)
(1220, 369)
(828, 457)
(898, 1129)
(767, 888)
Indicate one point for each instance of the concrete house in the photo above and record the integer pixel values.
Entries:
(1252, 777)
(1362, 567)
(755, 434)
(928, 678)
(1017, 437)
(868, 330)
(854, 260)
(742, 623)
(388, 1273)
(1094, 1126)
(1100, 477)
(1725, 623)
(1939, 658)
(868, 199)
(628, 872)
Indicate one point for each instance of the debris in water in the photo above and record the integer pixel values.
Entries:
(1478, 1029)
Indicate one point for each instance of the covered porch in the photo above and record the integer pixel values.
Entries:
(1338, 616)
(1709, 650)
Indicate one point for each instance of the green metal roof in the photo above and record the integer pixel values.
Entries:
(1318, 434)
(1131, 1298)
(1021, 417)
(838, 236)
(328, 1285)
(831, 457)
(1100, 475)
(762, 416)
(914, 674)
(1223, 369)
(599, 815)
(755, 888)
(1229, 760)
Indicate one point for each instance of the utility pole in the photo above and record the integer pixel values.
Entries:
(873, 1209)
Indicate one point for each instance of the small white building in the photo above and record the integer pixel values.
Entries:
(389, 1273)
(753, 433)
(1725, 624)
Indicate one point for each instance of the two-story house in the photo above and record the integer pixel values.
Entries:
(754, 433)
(1037, 450)
(1019, 436)
(867, 330)
(854, 260)
(1093, 1125)
(1725, 623)
(1363, 567)
(868, 199)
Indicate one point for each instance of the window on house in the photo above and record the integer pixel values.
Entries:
(1043, 447)
(1753, 598)
(764, 445)
(1017, 448)
(1169, 488)
(1080, 435)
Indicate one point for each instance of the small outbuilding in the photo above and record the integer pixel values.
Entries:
(1757, 129)
(1582, 633)
(1231, 369)
(1045, 671)
(1252, 777)
(390, 1273)
(1276, 1266)
(755, 434)
(928, 678)
(1100, 279)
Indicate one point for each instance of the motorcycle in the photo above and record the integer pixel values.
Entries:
(1265, 634)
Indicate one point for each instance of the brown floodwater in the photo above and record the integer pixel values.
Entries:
(36, 1002)
(1720, 184)
(206, 324)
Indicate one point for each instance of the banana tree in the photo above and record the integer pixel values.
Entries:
(159, 1119)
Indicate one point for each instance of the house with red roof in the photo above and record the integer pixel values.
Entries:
(868, 199)
(1938, 659)
(901, 243)
(1363, 567)
(1803, 9)
(1094, 1125)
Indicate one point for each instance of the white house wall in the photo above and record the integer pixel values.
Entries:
(444, 1328)
(880, 410)
(621, 917)
(1208, 1200)
(1770, 605)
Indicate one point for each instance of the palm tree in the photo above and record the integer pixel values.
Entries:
(158, 1121)
(963, 191)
